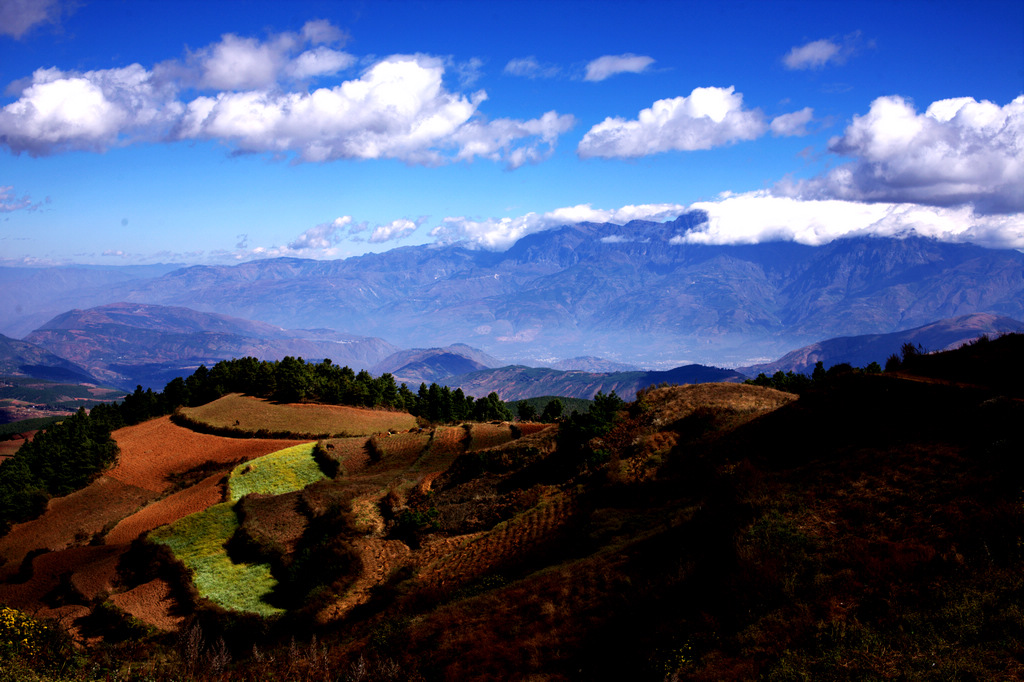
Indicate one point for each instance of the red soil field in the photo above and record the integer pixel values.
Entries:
(349, 452)
(152, 450)
(530, 428)
(274, 518)
(151, 603)
(71, 520)
(178, 505)
(95, 565)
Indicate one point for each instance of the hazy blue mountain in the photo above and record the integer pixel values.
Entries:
(126, 344)
(434, 365)
(21, 358)
(516, 382)
(609, 290)
(589, 363)
(33, 295)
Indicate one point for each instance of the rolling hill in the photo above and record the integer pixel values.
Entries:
(22, 358)
(127, 344)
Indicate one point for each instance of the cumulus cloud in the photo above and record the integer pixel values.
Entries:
(794, 124)
(396, 229)
(758, 217)
(610, 65)
(323, 236)
(959, 151)
(497, 234)
(244, 63)
(17, 17)
(62, 111)
(10, 202)
(708, 117)
(529, 67)
(398, 108)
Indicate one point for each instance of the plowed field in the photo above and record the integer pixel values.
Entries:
(151, 603)
(203, 495)
(72, 520)
(152, 450)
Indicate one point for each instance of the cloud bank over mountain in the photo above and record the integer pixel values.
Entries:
(958, 151)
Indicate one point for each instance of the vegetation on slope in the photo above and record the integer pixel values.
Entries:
(870, 529)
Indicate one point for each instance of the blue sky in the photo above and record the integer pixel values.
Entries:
(202, 132)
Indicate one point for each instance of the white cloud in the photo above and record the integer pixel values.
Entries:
(93, 111)
(320, 61)
(323, 32)
(497, 234)
(529, 67)
(396, 229)
(241, 63)
(959, 151)
(323, 236)
(10, 202)
(794, 124)
(610, 65)
(496, 140)
(469, 71)
(758, 217)
(17, 17)
(708, 117)
(398, 108)
(813, 55)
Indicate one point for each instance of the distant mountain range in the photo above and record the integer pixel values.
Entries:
(434, 365)
(628, 293)
(125, 344)
(516, 382)
(865, 349)
(21, 358)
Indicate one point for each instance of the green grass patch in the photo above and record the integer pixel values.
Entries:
(275, 474)
(198, 541)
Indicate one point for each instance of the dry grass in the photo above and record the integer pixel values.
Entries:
(248, 414)
(400, 450)
(483, 436)
(677, 402)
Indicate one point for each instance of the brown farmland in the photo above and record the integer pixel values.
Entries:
(251, 415)
(153, 450)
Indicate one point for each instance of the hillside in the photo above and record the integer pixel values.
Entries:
(870, 528)
(865, 349)
(24, 359)
(127, 344)
(432, 365)
(516, 382)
